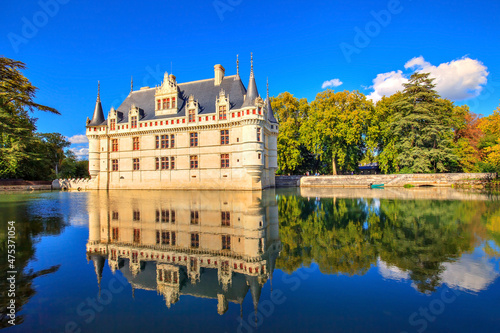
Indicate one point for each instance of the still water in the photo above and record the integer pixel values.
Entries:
(291, 260)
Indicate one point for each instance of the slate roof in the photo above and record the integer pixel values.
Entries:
(207, 287)
(205, 92)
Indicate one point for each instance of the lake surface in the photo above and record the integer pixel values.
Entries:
(286, 260)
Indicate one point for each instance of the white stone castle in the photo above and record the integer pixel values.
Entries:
(207, 134)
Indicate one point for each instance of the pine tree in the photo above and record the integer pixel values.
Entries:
(422, 122)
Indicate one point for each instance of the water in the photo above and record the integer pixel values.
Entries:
(298, 260)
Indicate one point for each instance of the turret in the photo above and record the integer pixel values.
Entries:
(252, 92)
(98, 117)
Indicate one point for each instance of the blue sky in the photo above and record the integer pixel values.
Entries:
(302, 46)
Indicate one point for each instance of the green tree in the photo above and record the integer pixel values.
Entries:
(422, 124)
(54, 149)
(17, 128)
(335, 128)
(290, 113)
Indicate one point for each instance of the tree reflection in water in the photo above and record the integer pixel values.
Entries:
(348, 236)
(31, 223)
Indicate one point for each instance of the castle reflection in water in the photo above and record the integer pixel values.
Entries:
(215, 244)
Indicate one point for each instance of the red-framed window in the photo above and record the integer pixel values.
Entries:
(224, 137)
(193, 162)
(114, 145)
(224, 161)
(135, 141)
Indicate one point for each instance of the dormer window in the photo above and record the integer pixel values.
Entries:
(165, 96)
(133, 122)
(112, 124)
(222, 112)
(192, 115)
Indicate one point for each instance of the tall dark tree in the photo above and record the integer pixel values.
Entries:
(422, 123)
(18, 142)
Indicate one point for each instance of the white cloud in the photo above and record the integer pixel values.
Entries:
(81, 153)
(457, 80)
(331, 83)
(79, 138)
(386, 84)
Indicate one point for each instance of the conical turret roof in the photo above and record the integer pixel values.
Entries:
(98, 117)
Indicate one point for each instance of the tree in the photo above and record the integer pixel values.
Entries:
(335, 128)
(423, 127)
(54, 144)
(490, 143)
(17, 128)
(290, 113)
(380, 138)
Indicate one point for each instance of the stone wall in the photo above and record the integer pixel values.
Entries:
(288, 181)
(81, 184)
(438, 179)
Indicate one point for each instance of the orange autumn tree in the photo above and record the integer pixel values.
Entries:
(491, 142)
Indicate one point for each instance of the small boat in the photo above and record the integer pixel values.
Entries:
(376, 185)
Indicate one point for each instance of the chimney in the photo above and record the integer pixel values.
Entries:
(219, 74)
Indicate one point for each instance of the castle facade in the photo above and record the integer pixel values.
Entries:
(207, 134)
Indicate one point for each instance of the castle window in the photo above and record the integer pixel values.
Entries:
(192, 117)
(114, 145)
(112, 124)
(136, 215)
(158, 237)
(135, 141)
(114, 216)
(164, 141)
(157, 142)
(260, 110)
(165, 237)
(195, 218)
(172, 140)
(193, 139)
(173, 102)
(222, 112)
(173, 237)
(135, 163)
(224, 161)
(164, 216)
(258, 156)
(193, 162)
(114, 165)
(195, 240)
(133, 122)
(164, 163)
(157, 163)
(258, 134)
(225, 219)
(226, 242)
(172, 162)
(165, 103)
(114, 234)
(224, 137)
(158, 105)
(137, 235)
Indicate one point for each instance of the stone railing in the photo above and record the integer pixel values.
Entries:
(74, 184)
(395, 180)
